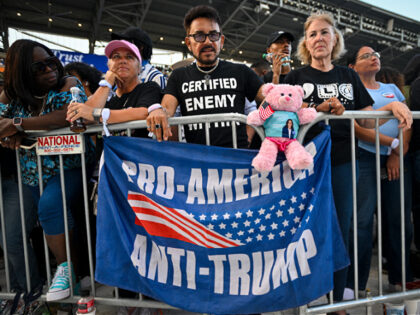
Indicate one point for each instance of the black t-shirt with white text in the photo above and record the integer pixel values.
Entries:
(224, 92)
(343, 83)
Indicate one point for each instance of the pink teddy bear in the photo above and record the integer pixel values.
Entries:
(281, 114)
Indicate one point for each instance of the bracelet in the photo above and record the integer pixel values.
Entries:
(97, 114)
(105, 116)
(395, 143)
(105, 83)
(154, 107)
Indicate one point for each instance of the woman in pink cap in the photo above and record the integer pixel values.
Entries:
(131, 97)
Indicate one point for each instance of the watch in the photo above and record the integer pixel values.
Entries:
(17, 122)
(105, 83)
(97, 114)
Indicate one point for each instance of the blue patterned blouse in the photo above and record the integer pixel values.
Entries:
(50, 163)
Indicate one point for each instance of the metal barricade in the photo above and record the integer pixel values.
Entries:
(369, 301)
(233, 119)
(207, 120)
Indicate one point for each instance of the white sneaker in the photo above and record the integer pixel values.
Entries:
(60, 286)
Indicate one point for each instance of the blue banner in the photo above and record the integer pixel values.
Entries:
(198, 228)
(97, 61)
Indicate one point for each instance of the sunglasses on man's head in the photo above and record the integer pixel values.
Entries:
(41, 66)
(201, 37)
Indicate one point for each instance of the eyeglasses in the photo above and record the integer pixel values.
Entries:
(41, 66)
(369, 55)
(201, 37)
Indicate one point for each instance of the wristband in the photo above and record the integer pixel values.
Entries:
(97, 114)
(154, 107)
(395, 143)
(105, 116)
(105, 83)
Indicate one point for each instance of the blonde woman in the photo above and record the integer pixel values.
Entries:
(333, 88)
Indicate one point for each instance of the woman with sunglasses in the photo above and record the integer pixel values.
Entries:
(366, 62)
(35, 97)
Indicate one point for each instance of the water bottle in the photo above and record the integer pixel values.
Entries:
(269, 58)
(86, 304)
(78, 125)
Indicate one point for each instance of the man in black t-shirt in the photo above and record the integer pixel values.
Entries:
(207, 86)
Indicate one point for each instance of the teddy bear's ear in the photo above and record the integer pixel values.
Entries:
(299, 89)
(267, 88)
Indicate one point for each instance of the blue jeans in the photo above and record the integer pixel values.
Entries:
(14, 239)
(391, 222)
(50, 204)
(343, 200)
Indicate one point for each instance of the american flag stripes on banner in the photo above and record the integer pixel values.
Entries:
(198, 228)
(167, 222)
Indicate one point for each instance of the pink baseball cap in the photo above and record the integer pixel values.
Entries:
(115, 44)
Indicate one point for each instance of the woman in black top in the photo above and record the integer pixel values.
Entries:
(332, 88)
(131, 98)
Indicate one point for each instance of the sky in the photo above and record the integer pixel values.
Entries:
(408, 8)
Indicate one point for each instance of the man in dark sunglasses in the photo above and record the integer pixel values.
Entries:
(208, 86)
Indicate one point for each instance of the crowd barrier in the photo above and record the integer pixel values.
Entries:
(207, 120)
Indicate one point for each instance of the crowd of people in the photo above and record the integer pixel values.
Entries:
(37, 96)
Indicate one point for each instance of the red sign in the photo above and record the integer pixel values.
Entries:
(65, 144)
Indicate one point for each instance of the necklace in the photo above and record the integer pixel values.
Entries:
(207, 72)
(44, 102)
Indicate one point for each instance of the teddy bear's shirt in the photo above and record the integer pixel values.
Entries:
(276, 125)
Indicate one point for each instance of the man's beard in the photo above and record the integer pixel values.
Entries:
(206, 62)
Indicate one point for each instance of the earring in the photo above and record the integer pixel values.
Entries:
(87, 83)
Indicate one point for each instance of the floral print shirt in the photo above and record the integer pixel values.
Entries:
(50, 163)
